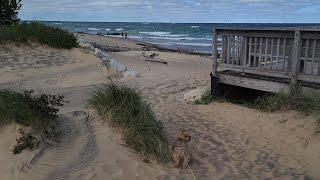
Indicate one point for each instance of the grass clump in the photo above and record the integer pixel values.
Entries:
(296, 101)
(37, 112)
(124, 108)
(37, 32)
(206, 98)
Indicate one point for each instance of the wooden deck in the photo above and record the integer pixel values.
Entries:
(266, 59)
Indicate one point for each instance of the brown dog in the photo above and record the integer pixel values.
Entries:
(180, 155)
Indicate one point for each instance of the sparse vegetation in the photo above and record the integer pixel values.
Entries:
(206, 98)
(124, 108)
(35, 111)
(296, 101)
(39, 33)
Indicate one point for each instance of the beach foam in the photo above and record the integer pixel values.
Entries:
(195, 26)
(93, 29)
(119, 29)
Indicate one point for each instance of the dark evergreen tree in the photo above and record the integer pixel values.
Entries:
(9, 11)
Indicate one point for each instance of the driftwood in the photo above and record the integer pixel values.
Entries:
(156, 61)
(151, 57)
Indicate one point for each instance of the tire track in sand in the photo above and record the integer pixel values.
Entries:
(71, 156)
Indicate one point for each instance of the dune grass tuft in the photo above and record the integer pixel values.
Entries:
(37, 32)
(38, 112)
(206, 98)
(123, 107)
(281, 101)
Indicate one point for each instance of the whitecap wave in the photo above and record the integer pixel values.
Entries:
(107, 29)
(135, 37)
(195, 26)
(193, 44)
(178, 38)
(119, 29)
(163, 34)
(93, 29)
(155, 33)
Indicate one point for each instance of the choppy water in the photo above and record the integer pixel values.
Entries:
(190, 36)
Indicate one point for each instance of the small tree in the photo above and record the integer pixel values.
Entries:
(9, 11)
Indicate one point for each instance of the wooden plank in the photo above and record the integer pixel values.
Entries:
(271, 53)
(232, 49)
(250, 48)
(313, 54)
(224, 49)
(255, 52)
(258, 84)
(278, 53)
(238, 49)
(284, 53)
(266, 53)
(245, 51)
(296, 57)
(214, 53)
(260, 52)
(305, 57)
(254, 70)
(228, 50)
(309, 78)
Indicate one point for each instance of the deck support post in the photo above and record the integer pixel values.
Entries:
(215, 85)
(296, 53)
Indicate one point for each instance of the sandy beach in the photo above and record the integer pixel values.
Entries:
(228, 141)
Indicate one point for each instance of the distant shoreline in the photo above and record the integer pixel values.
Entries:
(151, 46)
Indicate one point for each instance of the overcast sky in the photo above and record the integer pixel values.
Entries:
(215, 11)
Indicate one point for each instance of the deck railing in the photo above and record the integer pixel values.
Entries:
(292, 53)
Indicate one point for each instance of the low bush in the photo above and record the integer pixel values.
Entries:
(37, 112)
(124, 108)
(37, 32)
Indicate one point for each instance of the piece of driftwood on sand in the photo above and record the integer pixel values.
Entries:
(152, 57)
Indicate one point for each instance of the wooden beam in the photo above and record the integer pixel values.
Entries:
(296, 54)
(306, 57)
(258, 84)
(214, 53)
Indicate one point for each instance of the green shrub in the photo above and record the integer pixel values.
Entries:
(26, 141)
(122, 107)
(38, 112)
(206, 98)
(37, 32)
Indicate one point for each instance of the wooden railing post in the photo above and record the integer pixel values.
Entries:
(215, 84)
(296, 53)
(214, 53)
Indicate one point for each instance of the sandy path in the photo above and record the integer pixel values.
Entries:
(85, 149)
(228, 141)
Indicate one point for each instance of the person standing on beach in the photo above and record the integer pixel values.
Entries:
(126, 35)
(122, 34)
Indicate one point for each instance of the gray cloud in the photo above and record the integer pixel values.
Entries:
(173, 10)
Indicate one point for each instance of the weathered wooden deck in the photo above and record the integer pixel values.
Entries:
(267, 59)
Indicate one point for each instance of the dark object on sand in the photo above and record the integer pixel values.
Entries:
(151, 58)
(180, 156)
(126, 35)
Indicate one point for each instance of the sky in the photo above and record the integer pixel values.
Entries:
(194, 11)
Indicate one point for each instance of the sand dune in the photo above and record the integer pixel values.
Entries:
(228, 141)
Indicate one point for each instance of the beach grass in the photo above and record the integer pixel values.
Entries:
(298, 102)
(123, 107)
(206, 98)
(36, 111)
(39, 33)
